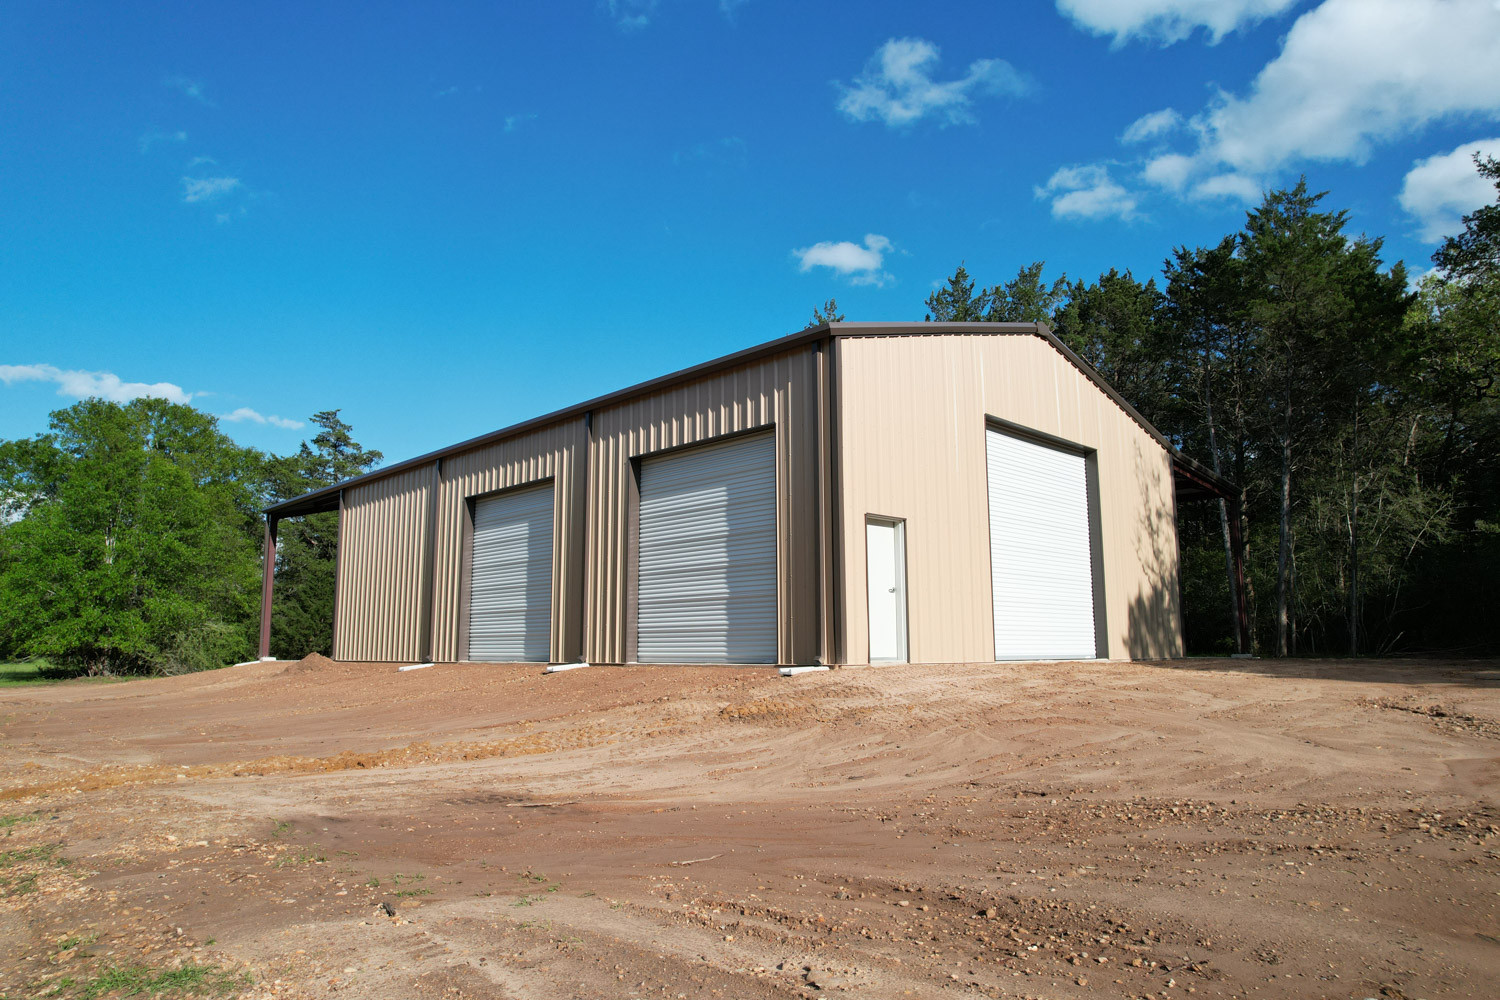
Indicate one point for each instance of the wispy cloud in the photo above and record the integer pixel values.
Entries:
(80, 384)
(1152, 126)
(189, 88)
(1087, 192)
(244, 413)
(861, 264)
(1168, 21)
(151, 138)
(632, 15)
(1440, 190)
(196, 189)
(726, 152)
(897, 86)
(513, 122)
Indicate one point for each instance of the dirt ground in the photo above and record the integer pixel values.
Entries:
(1210, 828)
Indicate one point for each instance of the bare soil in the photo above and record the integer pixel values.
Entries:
(320, 829)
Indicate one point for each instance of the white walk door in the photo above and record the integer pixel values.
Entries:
(706, 585)
(510, 583)
(1040, 558)
(885, 576)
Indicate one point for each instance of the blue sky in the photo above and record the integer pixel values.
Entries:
(446, 218)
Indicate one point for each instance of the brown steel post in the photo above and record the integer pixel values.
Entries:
(1236, 542)
(268, 573)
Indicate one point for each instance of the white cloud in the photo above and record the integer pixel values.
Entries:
(1087, 192)
(1351, 75)
(191, 89)
(1440, 190)
(149, 139)
(860, 264)
(245, 413)
(632, 15)
(85, 384)
(1168, 21)
(897, 87)
(513, 122)
(1153, 126)
(207, 188)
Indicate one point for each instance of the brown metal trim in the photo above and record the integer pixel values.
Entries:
(338, 554)
(466, 555)
(630, 592)
(1036, 436)
(1096, 553)
(268, 574)
(572, 614)
(1095, 511)
(317, 499)
(465, 576)
(826, 509)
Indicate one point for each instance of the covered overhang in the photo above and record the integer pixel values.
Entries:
(322, 501)
(1193, 481)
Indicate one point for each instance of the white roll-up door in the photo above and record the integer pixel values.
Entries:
(1040, 559)
(706, 587)
(510, 589)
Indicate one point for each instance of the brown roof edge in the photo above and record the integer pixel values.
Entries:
(319, 500)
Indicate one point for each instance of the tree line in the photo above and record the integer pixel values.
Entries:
(1357, 416)
(130, 540)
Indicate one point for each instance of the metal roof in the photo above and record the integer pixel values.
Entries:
(1189, 474)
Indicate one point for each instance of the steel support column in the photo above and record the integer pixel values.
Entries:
(268, 574)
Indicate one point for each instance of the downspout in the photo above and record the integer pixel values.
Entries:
(268, 574)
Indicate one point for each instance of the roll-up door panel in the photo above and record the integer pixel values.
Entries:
(510, 585)
(1040, 556)
(706, 586)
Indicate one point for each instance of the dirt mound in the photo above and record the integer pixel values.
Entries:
(311, 663)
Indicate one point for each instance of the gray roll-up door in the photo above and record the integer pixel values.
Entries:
(510, 583)
(1041, 563)
(706, 587)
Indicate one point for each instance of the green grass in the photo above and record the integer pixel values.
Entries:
(6, 822)
(139, 980)
(18, 673)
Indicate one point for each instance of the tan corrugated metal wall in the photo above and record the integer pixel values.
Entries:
(780, 391)
(911, 417)
(555, 453)
(382, 547)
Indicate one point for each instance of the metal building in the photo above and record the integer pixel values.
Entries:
(853, 493)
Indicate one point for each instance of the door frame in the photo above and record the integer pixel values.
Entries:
(903, 625)
(466, 560)
(1090, 457)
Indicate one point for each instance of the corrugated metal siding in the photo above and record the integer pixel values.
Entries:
(911, 427)
(382, 547)
(780, 391)
(554, 452)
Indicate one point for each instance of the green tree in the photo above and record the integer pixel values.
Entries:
(307, 547)
(827, 313)
(127, 542)
(1026, 298)
(956, 301)
(1475, 252)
